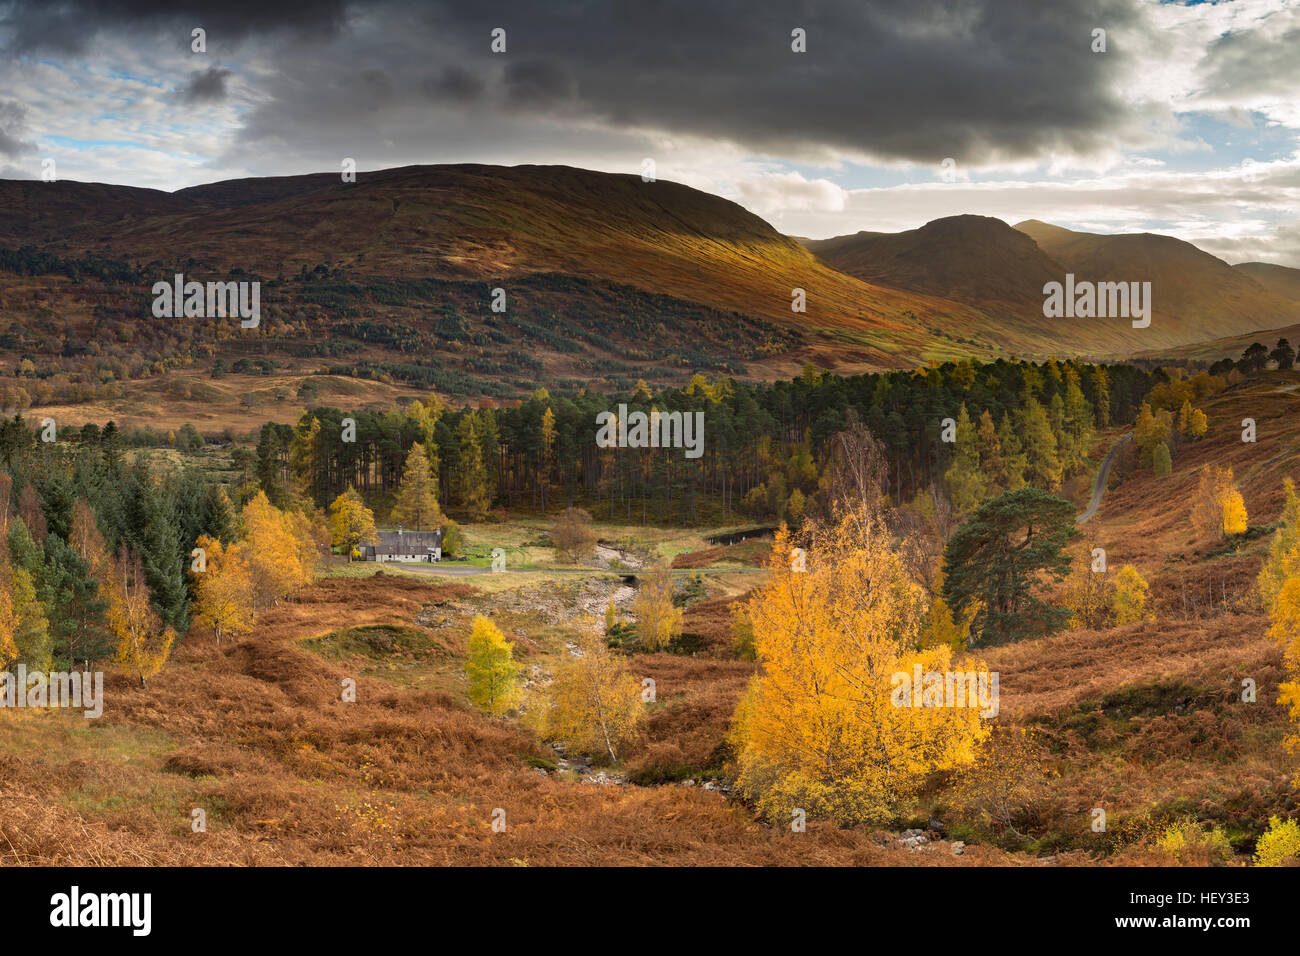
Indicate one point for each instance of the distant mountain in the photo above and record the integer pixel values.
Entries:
(1199, 295)
(1280, 279)
(606, 276)
(973, 259)
(1002, 271)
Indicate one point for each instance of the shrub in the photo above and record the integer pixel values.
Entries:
(571, 534)
(1280, 844)
(1190, 843)
(452, 542)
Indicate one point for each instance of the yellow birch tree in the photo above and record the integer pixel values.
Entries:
(820, 727)
(593, 704)
(224, 591)
(142, 642)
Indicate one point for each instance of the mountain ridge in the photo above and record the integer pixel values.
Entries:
(958, 286)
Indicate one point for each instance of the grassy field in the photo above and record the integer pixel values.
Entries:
(234, 404)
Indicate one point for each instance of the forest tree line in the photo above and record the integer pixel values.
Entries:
(766, 447)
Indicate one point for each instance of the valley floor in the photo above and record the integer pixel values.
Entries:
(255, 735)
(1146, 721)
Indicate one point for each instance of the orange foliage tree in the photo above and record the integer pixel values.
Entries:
(820, 728)
(280, 548)
(224, 589)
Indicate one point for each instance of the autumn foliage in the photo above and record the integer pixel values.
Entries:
(593, 705)
(817, 729)
(492, 670)
(277, 553)
(1219, 509)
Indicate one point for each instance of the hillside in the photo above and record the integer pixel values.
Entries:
(614, 256)
(1001, 270)
(1199, 294)
(974, 259)
(1279, 279)
(1143, 720)
(608, 279)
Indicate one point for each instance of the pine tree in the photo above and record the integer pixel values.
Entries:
(1101, 395)
(1012, 474)
(967, 484)
(489, 439)
(473, 482)
(1078, 419)
(991, 462)
(996, 561)
(217, 517)
(269, 446)
(1042, 462)
(145, 519)
(417, 501)
(68, 590)
(547, 449)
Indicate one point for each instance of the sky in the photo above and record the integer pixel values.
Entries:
(1098, 115)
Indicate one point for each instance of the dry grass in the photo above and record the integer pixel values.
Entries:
(214, 406)
(255, 733)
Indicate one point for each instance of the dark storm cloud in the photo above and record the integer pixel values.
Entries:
(978, 80)
(12, 127)
(378, 85)
(454, 84)
(206, 86)
(919, 80)
(69, 26)
(539, 84)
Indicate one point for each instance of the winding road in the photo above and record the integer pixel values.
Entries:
(1103, 473)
